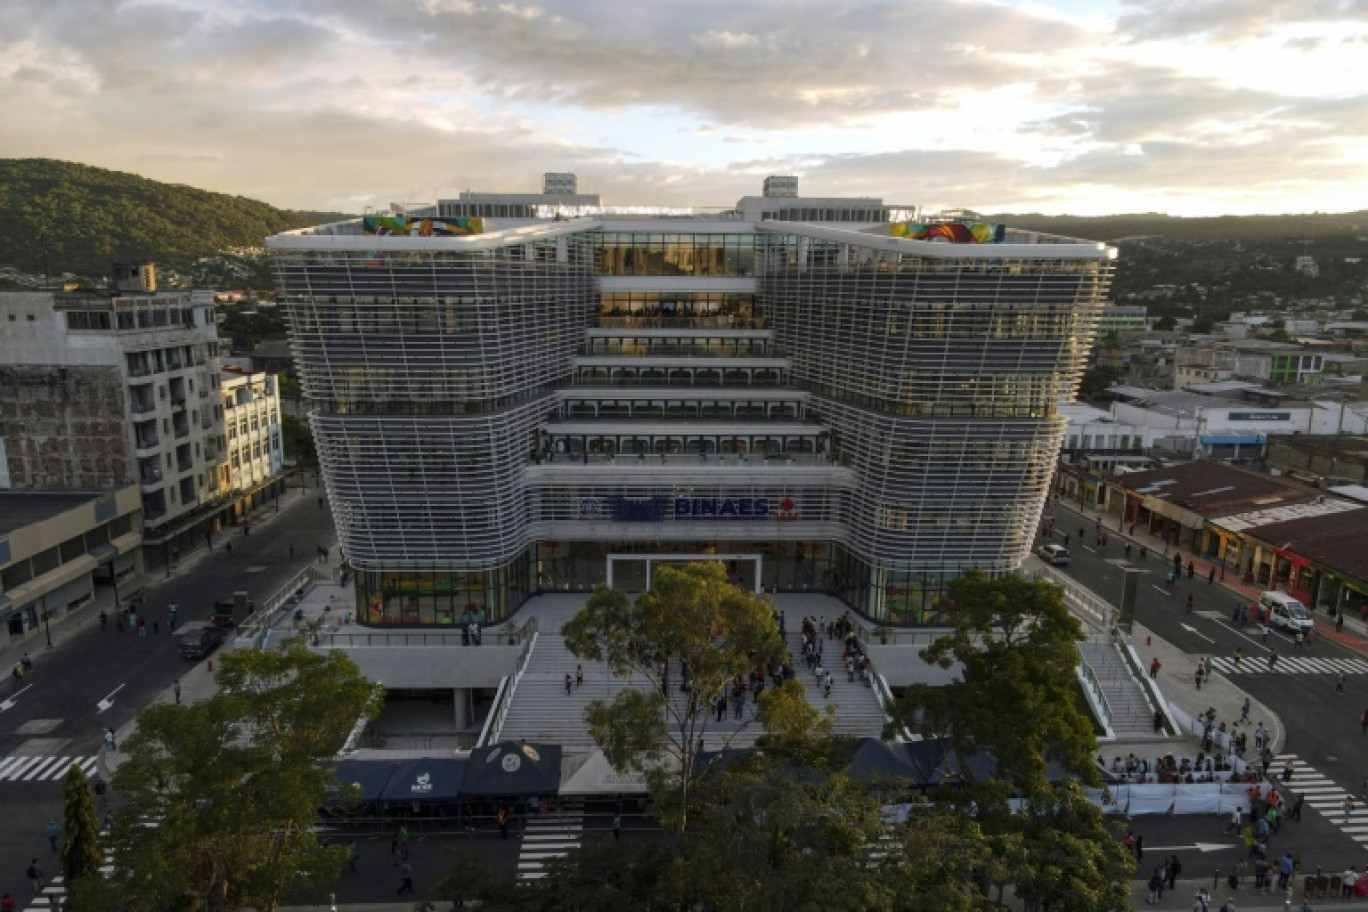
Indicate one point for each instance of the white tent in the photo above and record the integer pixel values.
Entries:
(591, 774)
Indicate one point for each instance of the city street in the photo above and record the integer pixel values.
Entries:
(1322, 727)
(94, 679)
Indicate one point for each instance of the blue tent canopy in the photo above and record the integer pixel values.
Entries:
(371, 775)
(427, 780)
(514, 768)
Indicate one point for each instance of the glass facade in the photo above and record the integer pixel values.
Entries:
(498, 414)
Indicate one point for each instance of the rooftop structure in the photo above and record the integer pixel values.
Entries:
(824, 397)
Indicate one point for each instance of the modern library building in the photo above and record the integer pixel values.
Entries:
(523, 393)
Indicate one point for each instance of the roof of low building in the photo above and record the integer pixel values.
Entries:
(20, 509)
(1337, 541)
(1213, 489)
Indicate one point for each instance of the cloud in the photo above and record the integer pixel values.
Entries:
(340, 103)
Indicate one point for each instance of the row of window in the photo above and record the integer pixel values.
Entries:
(75, 547)
(686, 409)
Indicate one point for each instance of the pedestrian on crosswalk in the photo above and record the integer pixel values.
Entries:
(36, 875)
(1348, 807)
(1272, 659)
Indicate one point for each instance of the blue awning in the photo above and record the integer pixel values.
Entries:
(371, 775)
(1246, 440)
(427, 780)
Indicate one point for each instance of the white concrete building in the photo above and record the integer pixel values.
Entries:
(102, 391)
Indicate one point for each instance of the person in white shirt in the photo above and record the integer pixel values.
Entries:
(1351, 878)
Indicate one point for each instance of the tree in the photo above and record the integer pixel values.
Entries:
(81, 853)
(1014, 643)
(1097, 380)
(1064, 854)
(1013, 701)
(231, 785)
(298, 440)
(693, 615)
(1165, 323)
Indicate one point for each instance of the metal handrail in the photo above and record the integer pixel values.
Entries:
(503, 699)
(1101, 703)
(257, 625)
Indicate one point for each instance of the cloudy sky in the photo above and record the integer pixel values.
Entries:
(1191, 107)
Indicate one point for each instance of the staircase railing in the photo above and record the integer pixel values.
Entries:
(503, 699)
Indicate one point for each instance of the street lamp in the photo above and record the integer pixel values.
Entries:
(47, 625)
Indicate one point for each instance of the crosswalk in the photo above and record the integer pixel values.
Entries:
(1327, 798)
(53, 895)
(550, 836)
(1291, 664)
(47, 768)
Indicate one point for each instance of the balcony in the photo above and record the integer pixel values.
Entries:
(147, 441)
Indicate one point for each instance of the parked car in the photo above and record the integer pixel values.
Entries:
(224, 613)
(1056, 555)
(199, 641)
(1283, 612)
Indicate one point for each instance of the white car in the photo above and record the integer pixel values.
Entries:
(1056, 555)
(1282, 612)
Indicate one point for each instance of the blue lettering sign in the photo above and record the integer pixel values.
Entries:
(722, 507)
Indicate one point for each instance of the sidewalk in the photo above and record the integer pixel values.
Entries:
(1355, 633)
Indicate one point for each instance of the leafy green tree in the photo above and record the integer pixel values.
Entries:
(1097, 380)
(691, 614)
(298, 440)
(1165, 323)
(1062, 852)
(1015, 645)
(220, 796)
(81, 853)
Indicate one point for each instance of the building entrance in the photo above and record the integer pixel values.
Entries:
(632, 572)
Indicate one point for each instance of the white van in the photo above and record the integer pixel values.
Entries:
(1282, 612)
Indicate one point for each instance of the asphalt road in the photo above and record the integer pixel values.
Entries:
(1322, 726)
(58, 710)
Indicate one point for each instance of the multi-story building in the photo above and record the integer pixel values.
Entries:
(254, 451)
(54, 548)
(109, 390)
(814, 391)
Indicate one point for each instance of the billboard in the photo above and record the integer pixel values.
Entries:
(950, 232)
(404, 226)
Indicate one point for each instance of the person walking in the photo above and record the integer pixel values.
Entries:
(406, 885)
(7, 904)
(1154, 667)
(1340, 682)
(501, 818)
(171, 612)
(569, 683)
(109, 742)
(353, 856)
(52, 831)
(1244, 710)
(1236, 821)
(1189, 604)
(36, 875)
(1299, 640)
(104, 623)
(1295, 813)
(176, 689)
(1239, 657)
(617, 826)
(1348, 807)
(579, 675)
(1175, 867)
(1272, 660)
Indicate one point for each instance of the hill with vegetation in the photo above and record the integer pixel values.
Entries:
(1315, 226)
(67, 217)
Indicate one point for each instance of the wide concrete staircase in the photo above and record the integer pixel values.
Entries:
(541, 710)
(857, 711)
(1132, 714)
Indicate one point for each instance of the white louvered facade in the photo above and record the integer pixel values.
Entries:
(496, 413)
